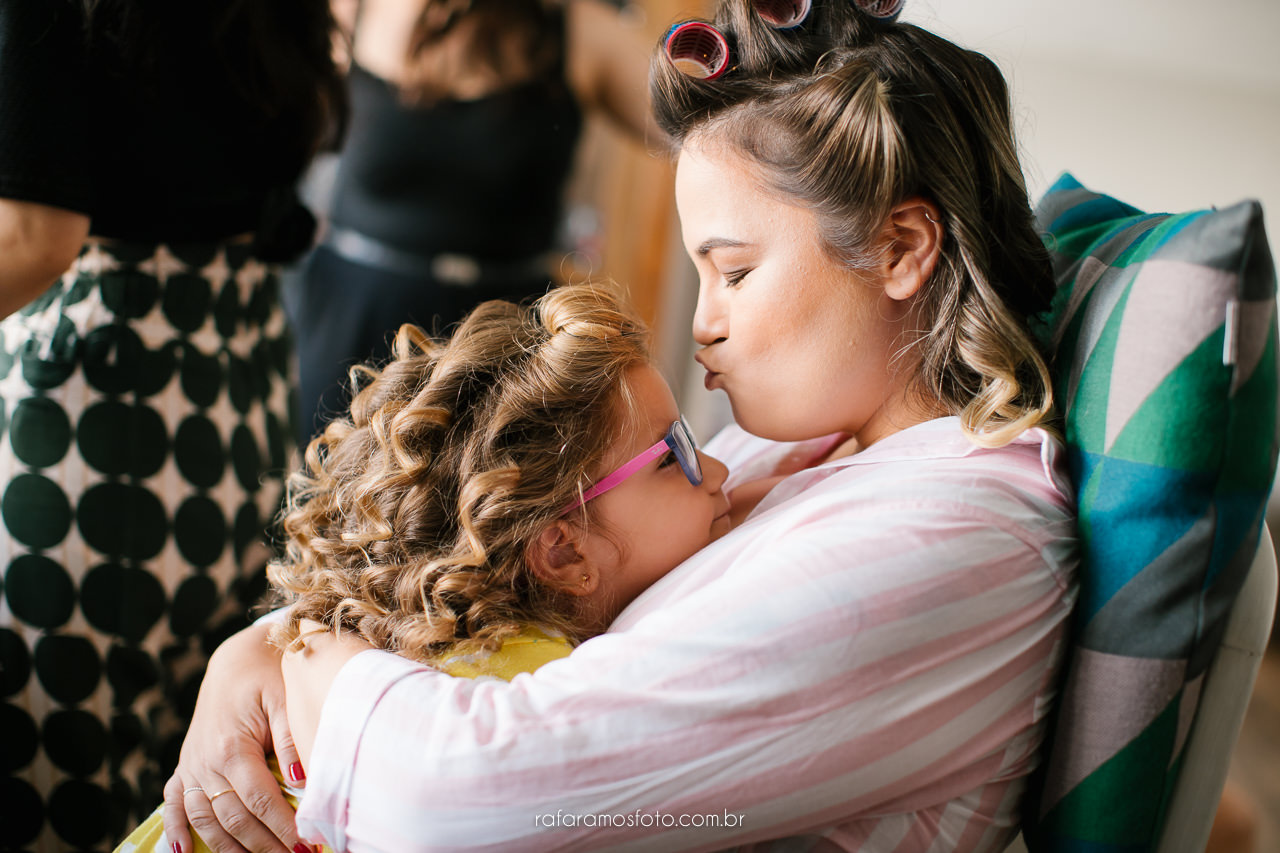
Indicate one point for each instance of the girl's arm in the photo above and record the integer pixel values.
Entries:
(308, 676)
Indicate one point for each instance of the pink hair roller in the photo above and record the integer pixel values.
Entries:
(885, 9)
(783, 14)
(697, 49)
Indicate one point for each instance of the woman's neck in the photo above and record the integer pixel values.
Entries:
(900, 412)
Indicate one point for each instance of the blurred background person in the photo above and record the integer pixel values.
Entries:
(149, 152)
(465, 118)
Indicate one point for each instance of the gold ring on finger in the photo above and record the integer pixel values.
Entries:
(213, 797)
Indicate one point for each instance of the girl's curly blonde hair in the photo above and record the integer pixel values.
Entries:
(412, 519)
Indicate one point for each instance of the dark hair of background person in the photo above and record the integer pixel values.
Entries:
(277, 55)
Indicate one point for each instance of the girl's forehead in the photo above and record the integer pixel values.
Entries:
(649, 402)
(650, 391)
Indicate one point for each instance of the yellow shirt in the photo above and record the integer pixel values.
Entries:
(524, 652)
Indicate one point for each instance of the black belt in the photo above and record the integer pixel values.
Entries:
(444, 267)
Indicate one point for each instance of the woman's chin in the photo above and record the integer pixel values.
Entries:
(770, 422)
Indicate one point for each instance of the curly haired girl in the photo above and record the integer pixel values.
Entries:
(490, 500)
(451, 514)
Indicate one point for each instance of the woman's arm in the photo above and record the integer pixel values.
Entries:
(862, 666)
(45, 182)
(608, 67)
(37, 244)
(239, 719)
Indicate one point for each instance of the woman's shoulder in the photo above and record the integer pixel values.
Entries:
(929, 477)
(942, 449)
(920, 457)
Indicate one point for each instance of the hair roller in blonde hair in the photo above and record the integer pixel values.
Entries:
(887, 10)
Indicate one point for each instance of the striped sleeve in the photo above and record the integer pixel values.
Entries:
(867, 668)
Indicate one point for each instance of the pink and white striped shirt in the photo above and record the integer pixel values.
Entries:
(864, 664)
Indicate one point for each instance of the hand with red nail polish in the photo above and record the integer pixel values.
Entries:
(239, 720)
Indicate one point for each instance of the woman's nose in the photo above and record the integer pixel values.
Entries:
(710, 323)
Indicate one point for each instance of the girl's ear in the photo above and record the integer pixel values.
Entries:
(915, 237)
(556, 559)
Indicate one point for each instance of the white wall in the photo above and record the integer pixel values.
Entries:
(1157, 102)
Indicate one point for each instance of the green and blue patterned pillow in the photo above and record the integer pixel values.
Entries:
(1164, 334)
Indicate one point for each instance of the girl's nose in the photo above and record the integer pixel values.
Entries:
(714, 472)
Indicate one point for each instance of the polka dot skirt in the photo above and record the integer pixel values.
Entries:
(144, 428)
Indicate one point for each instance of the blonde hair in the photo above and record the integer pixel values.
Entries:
(849, 115)
(411, 522)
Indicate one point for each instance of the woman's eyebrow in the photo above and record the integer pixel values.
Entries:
(719, 243)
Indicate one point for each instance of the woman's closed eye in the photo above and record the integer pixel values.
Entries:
(667, 459)
(733, 279)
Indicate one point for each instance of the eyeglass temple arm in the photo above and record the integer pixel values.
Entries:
(644, 458)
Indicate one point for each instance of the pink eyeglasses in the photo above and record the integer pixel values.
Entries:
(679, 439)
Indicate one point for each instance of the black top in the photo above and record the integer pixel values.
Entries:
(480, 177)
(168, 154)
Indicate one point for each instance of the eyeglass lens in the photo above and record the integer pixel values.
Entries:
(686, 450)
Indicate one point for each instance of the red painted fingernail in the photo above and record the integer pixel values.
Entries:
(302, 848)
(177, 847)
(296, 774)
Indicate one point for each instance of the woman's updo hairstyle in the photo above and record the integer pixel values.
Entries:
(413, 516)
(848, 115)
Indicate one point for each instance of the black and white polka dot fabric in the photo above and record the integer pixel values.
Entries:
(145, 415)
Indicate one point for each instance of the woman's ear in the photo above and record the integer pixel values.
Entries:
(915, 237)
(556, 559)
